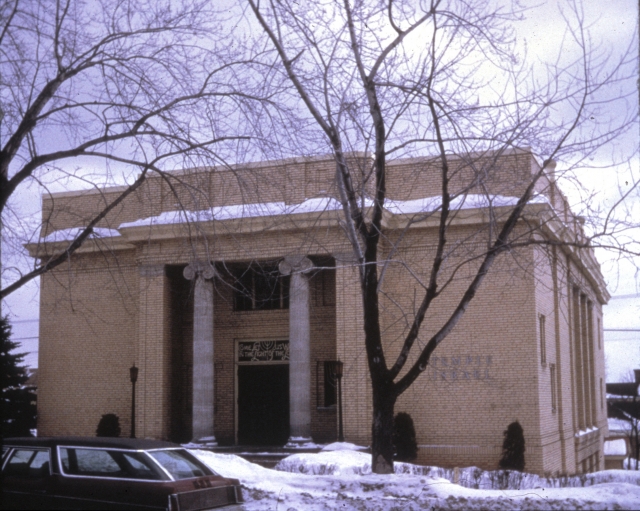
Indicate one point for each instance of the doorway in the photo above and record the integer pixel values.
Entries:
(263, 404)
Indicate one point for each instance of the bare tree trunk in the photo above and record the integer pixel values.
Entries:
(382, 449)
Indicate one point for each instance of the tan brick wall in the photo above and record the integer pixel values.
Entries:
(480, 378)
(291, 181)
(87, 344)
(153, 354)
(102, 312)
(356, 384)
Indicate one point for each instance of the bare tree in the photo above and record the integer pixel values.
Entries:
(402, 78)
(106, 85)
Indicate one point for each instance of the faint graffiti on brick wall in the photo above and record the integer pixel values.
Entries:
(460, 368)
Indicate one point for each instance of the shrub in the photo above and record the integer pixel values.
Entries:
(109, 425)
(513, 448)
(404, 437)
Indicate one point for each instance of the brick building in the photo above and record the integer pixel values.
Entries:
(231, 289)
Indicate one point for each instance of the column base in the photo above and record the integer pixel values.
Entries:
(300, 442)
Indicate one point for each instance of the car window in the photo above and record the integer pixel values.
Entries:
(28, 463)
(108, 463)
(95, 461)
(63, 454)
(139, 467)
(180, 464)
(39, 460)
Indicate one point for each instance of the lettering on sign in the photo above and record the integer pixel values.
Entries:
(460, 368)
(263, 351)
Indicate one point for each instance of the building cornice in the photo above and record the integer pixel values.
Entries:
(45, 250)
(540, 215)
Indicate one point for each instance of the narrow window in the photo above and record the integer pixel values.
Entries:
(552, 375)
(330, 386)
(599, 336)
(543, 338)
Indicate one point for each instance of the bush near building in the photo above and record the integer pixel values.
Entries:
(513, 448)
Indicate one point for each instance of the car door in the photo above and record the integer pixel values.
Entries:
(92, 478)
(27, 479)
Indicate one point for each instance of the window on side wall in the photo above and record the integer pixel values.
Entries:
(554, 397)
(326, 384)
(542, 323)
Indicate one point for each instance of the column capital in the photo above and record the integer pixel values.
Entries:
(295, 264)
(204, 268)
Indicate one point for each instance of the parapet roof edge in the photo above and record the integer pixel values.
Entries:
(455, 156)
(86, 191)
(270, 163)
(288, 161)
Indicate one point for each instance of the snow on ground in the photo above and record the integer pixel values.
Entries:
(342, 479)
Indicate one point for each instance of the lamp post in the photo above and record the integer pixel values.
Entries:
(133, 374)
(337, 369)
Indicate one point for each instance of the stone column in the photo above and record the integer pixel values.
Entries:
(299, 349)
(203, 363)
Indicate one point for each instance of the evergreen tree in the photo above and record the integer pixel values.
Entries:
(17, 406)
(404, 437)
(513, 448)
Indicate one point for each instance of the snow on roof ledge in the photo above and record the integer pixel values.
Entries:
(318, 205)
(470, 201)
(617, 447)
(73, 232)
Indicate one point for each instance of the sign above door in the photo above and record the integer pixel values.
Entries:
(263, 351)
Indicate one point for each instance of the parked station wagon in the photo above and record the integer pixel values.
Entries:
(110, 473)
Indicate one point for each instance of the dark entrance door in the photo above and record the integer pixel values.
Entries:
(263, 404)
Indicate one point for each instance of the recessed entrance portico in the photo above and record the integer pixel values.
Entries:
(240, 311)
